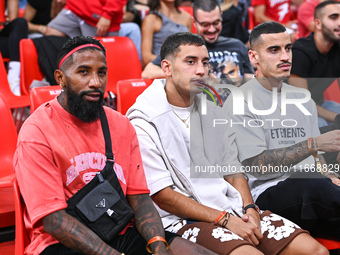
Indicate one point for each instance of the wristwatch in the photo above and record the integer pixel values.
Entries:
(251, 206)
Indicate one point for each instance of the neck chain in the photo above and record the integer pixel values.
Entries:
(183, 120)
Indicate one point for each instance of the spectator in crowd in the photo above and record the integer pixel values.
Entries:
(316, 58)
(94, 18)
(282, 145)
(56, 7)
(243, 5)
(232, 23)
(273, 10)
(10, 35)
(135, 11)
(176, 137)
(208, 22)
(38, 15)
(163, 20)
(305, 17)
(45, 157)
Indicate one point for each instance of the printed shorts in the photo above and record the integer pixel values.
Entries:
(277, 232)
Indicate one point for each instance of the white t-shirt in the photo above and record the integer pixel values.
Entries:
(256, 133)
(183, 115)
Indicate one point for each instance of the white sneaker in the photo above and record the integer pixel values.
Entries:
(15, 86)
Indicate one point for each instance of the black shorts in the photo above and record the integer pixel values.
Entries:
(131, 243)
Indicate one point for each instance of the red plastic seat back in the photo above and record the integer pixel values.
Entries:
(2, 12)
(30, 69)
(40, 95)
(332, 93)
(8, 137)
(189, 10)
(251, 17)
(122, 60)
(128, 91)
(21, 234)
(329, 244)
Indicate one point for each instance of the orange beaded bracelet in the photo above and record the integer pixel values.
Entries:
(220, 217)
(156, 239)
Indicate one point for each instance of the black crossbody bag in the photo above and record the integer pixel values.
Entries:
(101, 204)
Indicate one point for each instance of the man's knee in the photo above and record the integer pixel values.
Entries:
(20, 23)
(304, 244)
(246, 250)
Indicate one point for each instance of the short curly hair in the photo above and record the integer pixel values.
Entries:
(74, 43)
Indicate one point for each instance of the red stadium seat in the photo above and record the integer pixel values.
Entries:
(128, 91)
(2, 13)
(189, 10)
(21, 235)
(14, 102)
(122, 60)
(8, 137)
(332, 93)
(251, 23)
(30, 69)
(40, 95)
(329, 244)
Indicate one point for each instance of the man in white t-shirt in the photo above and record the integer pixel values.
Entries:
(279, 141)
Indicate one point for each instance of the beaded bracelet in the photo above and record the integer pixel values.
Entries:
(220, 217)
(315, 155)
(226, 219)
(156, 239)
(310, 149)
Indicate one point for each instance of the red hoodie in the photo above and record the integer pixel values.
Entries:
(91, 11)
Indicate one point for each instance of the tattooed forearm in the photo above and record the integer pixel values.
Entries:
(73, 234)
(288, 156)
(147, 219)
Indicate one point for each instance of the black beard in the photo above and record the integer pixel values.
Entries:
(82, 109)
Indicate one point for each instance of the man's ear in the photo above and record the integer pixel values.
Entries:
(166, 67)
(59, 77)
(253, 57)
(317, 24)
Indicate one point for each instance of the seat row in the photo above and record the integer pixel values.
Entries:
(121, 55)
(10, 137)
(122, 61)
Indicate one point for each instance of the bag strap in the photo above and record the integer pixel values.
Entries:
(107, 136)
(110, 160)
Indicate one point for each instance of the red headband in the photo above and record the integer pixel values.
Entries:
(75, 49)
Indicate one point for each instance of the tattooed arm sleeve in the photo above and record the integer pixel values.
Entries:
(147, 220)
(288, 156)
(73, 234)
